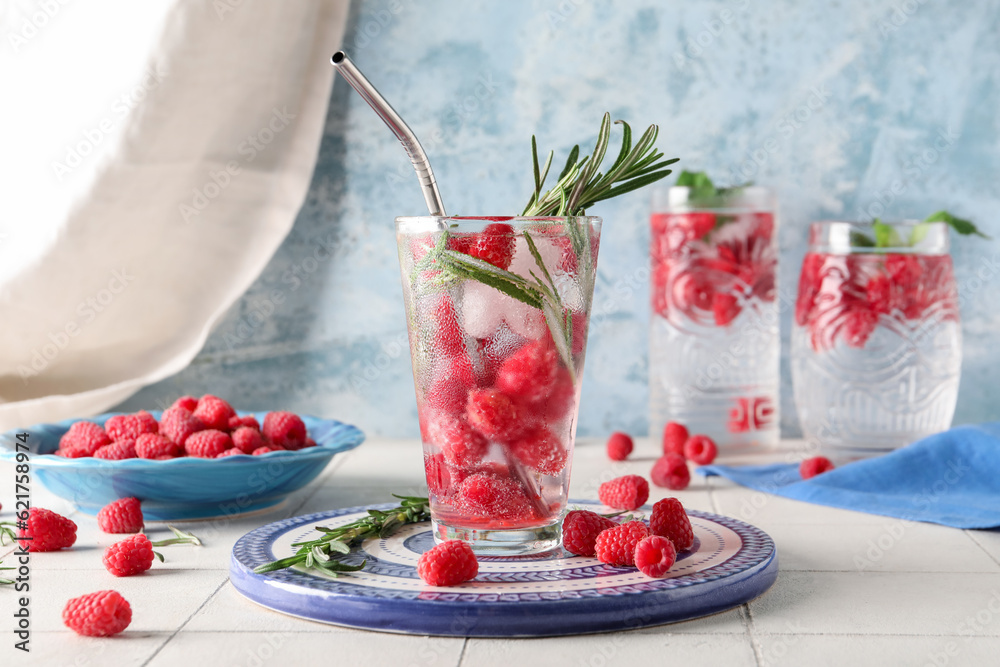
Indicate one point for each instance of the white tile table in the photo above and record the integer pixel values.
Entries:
(853, 589)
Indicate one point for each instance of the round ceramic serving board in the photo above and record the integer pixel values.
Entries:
(555, 593)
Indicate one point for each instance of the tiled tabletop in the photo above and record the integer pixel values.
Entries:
(853, 589)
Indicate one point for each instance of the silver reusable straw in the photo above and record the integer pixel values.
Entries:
(418, 157)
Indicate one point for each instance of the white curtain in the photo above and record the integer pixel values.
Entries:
(153, 155)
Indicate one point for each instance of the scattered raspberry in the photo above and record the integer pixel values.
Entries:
(99, 614)
(674, 437)
(117, 451)
(129, 427)
(817, 465)
(530, 374)
(495, 415)
(540, 449)
(669, 520)
(627, 492)
(619, 446)
(671, 471)
(214, 412)
(178, 424)
(189, 403)
(616, 546)
(48, 531)
(133, 555)
(260, 451)
(83, 439)
(150, 446)
(654, 556)
(495, 244)
(489, 496)
(461, 445)
(580, 529)
(246, 420)
(448, 564)
(247, 439)
(701, 449)
(121, 516)
(208, 444)
(284, 429)
(231, 452)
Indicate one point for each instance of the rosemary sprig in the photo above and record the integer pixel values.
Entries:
(581, 185)
(319, 553)
(6, 581)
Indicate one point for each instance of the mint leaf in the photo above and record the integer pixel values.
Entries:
(963, 227)
(886, 236)
(699, 182)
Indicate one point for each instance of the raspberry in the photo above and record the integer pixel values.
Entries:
(214, 412)
(674, 437)
(654, 556)
(815, 466)
(530, 373)
(701, 449)
(284, 429)
(99, 614)
(83, 439)
(619, 446)
(489, 496)
(462, 446)
(309, 443)
(541, 450)
(616, 546)
(121, 516)
(624, 493)
(208, 444)
(495, 415)
(231, 452)
(133, 555)
(725, 308)
(669, 520)
(260, 451)
(189, 403)
(450, 338)
(560, 401)
(246, 420)
(495, 244)
(671, 471)
(580, 529)
(150, 446)
(117, 451)
(178, 424)
(439, 477)
(130, 427)
(247, 439)
(48, 531)
(448, 564)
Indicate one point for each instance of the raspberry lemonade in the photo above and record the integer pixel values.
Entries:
(714, 344)
(498, 378)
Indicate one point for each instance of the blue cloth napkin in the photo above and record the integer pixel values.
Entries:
(951, 478)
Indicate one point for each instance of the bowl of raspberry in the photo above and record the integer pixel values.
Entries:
(877, 343)
(198, 459)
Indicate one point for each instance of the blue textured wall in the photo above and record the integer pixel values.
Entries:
(844, 108)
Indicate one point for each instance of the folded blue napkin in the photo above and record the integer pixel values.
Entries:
(951, 478)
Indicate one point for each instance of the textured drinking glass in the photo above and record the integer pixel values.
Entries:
(877, 344)
(497, 391)
(713, 341)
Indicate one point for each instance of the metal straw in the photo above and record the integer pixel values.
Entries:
(418, 157)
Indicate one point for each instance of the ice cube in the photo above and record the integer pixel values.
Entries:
(480, 312)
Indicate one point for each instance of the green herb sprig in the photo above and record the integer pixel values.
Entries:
(887, 236)
(320, 553)
(6, 581)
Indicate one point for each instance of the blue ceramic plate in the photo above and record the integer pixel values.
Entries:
(186, 487)
(554, 593)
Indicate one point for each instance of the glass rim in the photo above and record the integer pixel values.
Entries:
(838, 237)
(497, 218)
(678, 199)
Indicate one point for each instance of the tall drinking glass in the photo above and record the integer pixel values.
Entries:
(877, 344)
(713, 341)
(497, 311)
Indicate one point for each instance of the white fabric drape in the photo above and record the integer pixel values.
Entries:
(154, 155)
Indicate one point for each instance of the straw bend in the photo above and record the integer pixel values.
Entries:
(347, 69)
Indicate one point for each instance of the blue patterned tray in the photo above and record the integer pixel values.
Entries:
(523, 596)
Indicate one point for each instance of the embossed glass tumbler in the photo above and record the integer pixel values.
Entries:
(713, 341)
(497, 311)
(877, 343)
